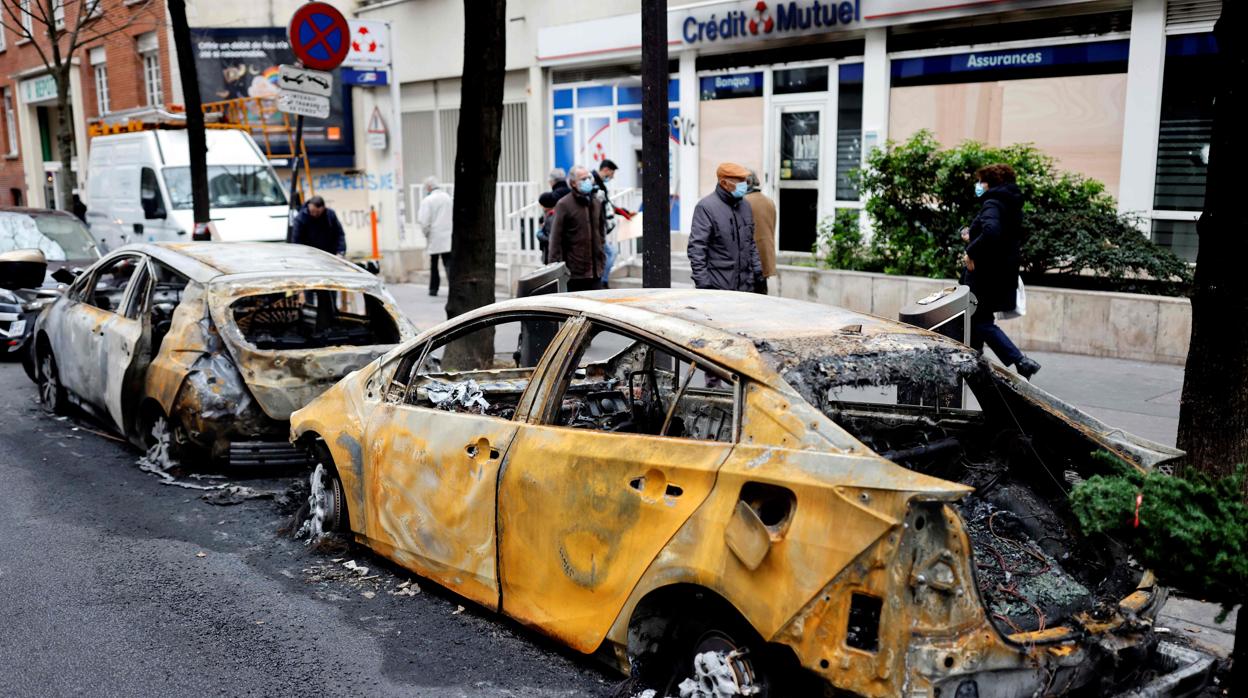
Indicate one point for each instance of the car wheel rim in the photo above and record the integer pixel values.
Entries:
(721, 669)
(324, 502)
(48, 387)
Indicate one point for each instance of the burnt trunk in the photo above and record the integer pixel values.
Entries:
(196, 138)
(1213, 412)
(68, 182)
(479, 144)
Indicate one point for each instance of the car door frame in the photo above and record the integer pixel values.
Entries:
(590, 603)
(383, 421)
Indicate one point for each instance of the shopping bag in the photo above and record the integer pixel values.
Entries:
(1020, 304)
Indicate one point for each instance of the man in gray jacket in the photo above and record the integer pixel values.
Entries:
(722, 253)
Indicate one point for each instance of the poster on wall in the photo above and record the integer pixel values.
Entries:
(799, 145)
(243, 62)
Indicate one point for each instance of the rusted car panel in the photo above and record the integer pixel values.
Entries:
(167, 347)
(859, 517)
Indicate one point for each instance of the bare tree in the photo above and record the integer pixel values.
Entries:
(59, 30)
(1213, 411)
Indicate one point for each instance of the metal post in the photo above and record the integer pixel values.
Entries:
(294, 175)
(656, 269)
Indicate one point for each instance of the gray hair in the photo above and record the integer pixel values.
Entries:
(557, 175)
(751, 180)
(572, 175)
(431, 183)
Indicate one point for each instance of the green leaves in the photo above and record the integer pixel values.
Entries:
(1193, 531)
(919, 198)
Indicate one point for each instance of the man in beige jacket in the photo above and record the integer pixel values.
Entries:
(764, 229)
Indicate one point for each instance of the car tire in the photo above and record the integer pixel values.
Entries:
(51, 391)
(327, 507)
(713, 656)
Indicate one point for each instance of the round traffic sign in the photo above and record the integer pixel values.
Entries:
(319, 36)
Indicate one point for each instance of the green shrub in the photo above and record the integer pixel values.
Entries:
(919, 198)
(839, 244)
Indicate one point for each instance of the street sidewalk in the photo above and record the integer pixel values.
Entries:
(1138, 397)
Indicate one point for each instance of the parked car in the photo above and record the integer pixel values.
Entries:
(139, 189)
(707, 486)
(35, 244)
(212, 344)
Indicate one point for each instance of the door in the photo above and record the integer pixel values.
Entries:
(436, 446)
(800, 169)
(99, 335)
(623, 452)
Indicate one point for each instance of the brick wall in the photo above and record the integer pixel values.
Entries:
(117, 29)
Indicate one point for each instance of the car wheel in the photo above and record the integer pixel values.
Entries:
(51, 392)
(167, 444)
(327, 511)
(716, 659)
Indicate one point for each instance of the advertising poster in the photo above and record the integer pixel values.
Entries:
(243, 62)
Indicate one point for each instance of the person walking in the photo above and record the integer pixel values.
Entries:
(994, 240)
(722, 253)
(576, 233)
(547, 200)
(434, 217)
(764, 229)
(316, 225)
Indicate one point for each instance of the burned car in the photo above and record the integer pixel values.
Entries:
(712, 489)
(211, 345)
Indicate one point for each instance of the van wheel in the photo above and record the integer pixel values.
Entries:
(51, 392)
(716, 659)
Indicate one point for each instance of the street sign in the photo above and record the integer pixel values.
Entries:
(303, 104)
(376, 130)
(319, 36)
(309, 82)
(365, 78)
(370, 44)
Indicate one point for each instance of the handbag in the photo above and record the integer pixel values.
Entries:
(1020, 304)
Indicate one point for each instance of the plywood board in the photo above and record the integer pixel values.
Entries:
(731, 130)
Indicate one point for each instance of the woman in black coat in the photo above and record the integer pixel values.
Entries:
(992, 257)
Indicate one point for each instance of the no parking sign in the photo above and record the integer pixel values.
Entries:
(319, 36)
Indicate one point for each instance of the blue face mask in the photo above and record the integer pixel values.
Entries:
(740, 190)
(586, 185)
(980, 188)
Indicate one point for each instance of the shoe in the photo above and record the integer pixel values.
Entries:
(1027, 367)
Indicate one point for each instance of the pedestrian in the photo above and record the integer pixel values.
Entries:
(434, 217)
(547, 200)
(576, 233)
(764, 229)
(316, 225)
(993, 240)
(604, 175)
(722, 253)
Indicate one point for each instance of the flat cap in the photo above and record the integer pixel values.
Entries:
(731, 170)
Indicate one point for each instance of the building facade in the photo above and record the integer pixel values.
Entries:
(799, 91)
(122, 72)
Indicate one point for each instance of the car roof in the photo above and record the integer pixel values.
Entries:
(732, 327)
(206, 261)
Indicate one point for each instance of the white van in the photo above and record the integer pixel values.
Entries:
(139, 189)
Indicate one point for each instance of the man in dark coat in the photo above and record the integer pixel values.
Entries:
(722, 253)
(992, 257)
(576, 234)
(547, 200)
(317, 226)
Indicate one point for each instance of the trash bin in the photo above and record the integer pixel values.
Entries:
(948, 312)
(536, 335)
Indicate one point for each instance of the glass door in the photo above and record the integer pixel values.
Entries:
(800, 169)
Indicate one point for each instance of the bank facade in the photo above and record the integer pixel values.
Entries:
(1118, 90)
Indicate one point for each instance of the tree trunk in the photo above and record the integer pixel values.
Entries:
(65, 137)
(195, 136)
(1213, 411)
(479, 144)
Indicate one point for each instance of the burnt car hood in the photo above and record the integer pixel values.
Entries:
(283, 381)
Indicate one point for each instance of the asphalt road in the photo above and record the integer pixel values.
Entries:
(112, 583)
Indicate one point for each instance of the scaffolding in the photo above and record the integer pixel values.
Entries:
(269, 127)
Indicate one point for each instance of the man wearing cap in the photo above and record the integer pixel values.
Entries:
(722, 253)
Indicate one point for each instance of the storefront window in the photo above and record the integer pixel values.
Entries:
(848, 130)
(797, 80)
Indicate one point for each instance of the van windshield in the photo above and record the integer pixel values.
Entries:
(229, 186)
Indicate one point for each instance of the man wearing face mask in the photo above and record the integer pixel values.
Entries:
(722, 252)
(576, 233)
(994, 239)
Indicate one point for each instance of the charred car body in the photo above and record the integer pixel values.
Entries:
(706, 488)
(214, 343)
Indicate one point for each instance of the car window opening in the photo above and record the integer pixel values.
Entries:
(166, 294)
(108, 287)
(623, 384)
(1033, 567)
(314, 319)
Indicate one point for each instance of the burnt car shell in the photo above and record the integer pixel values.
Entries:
(169, 347)
(853, 533)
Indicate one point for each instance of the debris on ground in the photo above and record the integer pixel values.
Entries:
(458, 610)
(358, 569)
(227, 495)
